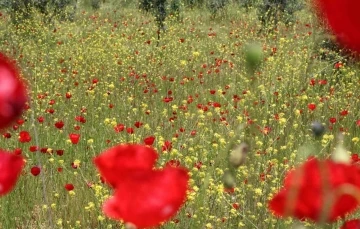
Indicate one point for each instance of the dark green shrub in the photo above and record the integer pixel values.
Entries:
(95, 4)
(271, 12)
(22, 9)
(175, 8)
(158, 9)
(215, 6)
(146, 5)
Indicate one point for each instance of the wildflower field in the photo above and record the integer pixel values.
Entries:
(104, 80)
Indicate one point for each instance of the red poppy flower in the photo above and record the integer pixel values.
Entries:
(305, 188)
(216, 104)
(68, 95)
(122, 159)
(138, 124)
(35, 171)
(338, 65)
(119, 128)
(332, 120)
(33, 148)
(10, 169)
(18, 151)
(20, 121)
(40, 119)
(312, 106)
(147, 198)
(12, 92)
(344, 112)
(343, 19)
(69, 187)
(50, 111)
(74, 165)
(149, 140)
(7, 135)
(44, 150)
(74, 138)
(168, 99)
(24, 136)
(51, 102)
(59, 152)
(59, 124)
(173, 163)
(80, 119)
(351, 224)
(355, 158)
(236, 206)
(167, 146)
(130, 130)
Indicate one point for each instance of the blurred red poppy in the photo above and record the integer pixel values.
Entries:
(10, 169)
(173, 163)
(35, 170)
(308, 188)
(351, 224)
(312, 106)
(40, 119)
(130, 130)
(167, 146)
(343, 19)
(120, 160)
(18, 151)
(59, 124)
(149, 140)
(69, 187)
(74, 138)
(138, 124)
(80, 119)
(147, 198)
(24, 136)
(120, 127)
(33, 148)
(13, 94)
(332, 120)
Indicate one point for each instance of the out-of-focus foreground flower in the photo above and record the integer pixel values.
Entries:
(144, 196)
(320, 190)
(10, 169)
(12, 92)
(343, 19)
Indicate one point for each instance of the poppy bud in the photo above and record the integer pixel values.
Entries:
(238, 155)
(253, 55)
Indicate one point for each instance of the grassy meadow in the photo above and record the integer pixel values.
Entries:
(104, 77)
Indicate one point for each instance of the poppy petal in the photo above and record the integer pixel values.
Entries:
(121, 159)
(12, 93)
(147, 198)
(342, 17)
(351, 224)
(10, 169)
(303, 193)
